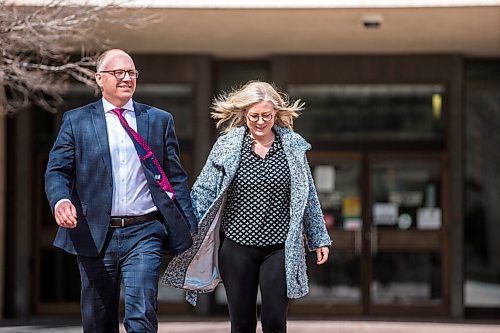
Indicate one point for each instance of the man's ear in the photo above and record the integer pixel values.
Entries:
(98, 79)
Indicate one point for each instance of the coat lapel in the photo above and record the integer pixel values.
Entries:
(230, 157)
(101, 132)
(142, 119)
(294, 149)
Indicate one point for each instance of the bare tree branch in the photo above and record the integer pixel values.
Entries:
(43, 48)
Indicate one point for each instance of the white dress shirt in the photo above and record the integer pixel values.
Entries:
(131, 195)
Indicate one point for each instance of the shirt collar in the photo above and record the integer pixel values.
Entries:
(108, 107)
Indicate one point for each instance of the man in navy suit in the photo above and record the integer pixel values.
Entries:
(110, 210)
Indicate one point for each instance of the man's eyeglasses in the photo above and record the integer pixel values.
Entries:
(120, 73)
(255, 117)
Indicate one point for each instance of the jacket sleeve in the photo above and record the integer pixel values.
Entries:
(177, 176)
(314, 223)
(205, 189)
(60, 172)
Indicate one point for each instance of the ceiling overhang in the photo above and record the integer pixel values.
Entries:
(255, 33)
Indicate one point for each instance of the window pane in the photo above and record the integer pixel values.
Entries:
(338, 186)
(174, 98)
(231, 75)
(335, 282)
(482, 191)
(406, 278)
(406, 195)
(371, 111)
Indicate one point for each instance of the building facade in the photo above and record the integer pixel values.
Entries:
(402, 111)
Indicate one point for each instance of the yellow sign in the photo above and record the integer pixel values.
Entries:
(351, 207)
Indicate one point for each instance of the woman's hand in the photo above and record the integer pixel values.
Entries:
(322, 255)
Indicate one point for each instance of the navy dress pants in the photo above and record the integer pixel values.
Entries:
(243, 269)
(131, 256)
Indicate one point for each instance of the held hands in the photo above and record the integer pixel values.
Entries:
(65, 215)
(322, 255)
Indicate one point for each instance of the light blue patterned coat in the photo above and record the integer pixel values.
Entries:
(197, 268)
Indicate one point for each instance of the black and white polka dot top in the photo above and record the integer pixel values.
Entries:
(257, 210)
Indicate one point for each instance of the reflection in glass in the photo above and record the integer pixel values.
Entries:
(336, 281)
(406, 278)
(338, 189)
(399, 111)
(406, 195)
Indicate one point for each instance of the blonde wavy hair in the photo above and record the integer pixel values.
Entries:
(229, 109)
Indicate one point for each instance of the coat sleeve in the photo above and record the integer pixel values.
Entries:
(177, 176)
(314, 223)
(205, 189)
(60, 172)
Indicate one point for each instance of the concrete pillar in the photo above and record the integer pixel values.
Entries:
(3, 198)
(23, 213)
(456, 142)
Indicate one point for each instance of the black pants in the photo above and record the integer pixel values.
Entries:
(243, 269)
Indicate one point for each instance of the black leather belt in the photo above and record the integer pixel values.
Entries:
(125, 221)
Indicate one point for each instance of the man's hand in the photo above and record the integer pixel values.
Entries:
(65, 215)
(322, 255)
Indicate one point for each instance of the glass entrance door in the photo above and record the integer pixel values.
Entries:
(384, 213)
(337, 283)
(401, 117)
(404, 233)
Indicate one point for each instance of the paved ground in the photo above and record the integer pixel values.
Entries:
(322, 326)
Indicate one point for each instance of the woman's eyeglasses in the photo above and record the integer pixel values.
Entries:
(255, 117)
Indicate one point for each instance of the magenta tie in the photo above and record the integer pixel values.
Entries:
(147, 157)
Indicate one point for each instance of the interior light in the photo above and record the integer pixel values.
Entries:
(437, 102)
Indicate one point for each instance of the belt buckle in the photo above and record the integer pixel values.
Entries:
(122, 222)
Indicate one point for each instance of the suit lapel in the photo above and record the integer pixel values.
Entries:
(101, 132)
(142, 119)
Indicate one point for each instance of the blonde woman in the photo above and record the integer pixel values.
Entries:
(255, 200)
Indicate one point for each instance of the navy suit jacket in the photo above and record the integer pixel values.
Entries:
(79, 169)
